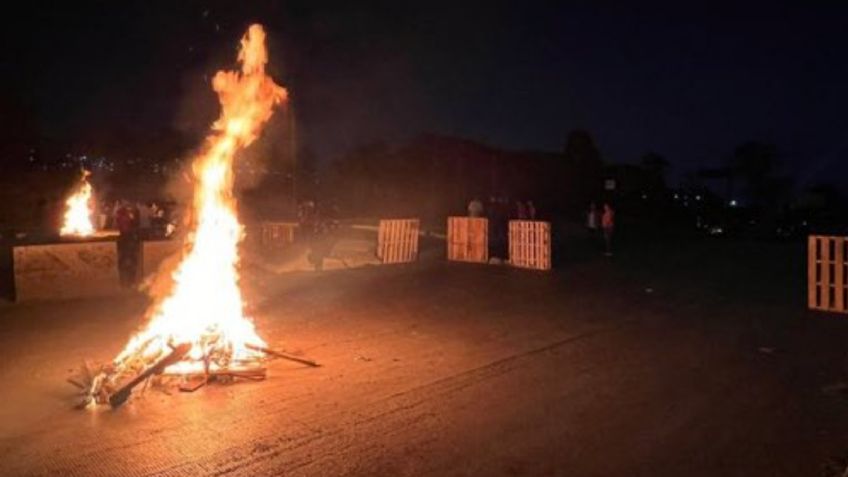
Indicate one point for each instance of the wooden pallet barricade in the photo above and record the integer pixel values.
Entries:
(530, 244)
(468, 239)
(397, 240)
(278, 234)
(827, 273)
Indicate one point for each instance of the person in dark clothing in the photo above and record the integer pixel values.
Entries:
(127, 223)
(531, 210)
(498, 228)
(520, 210)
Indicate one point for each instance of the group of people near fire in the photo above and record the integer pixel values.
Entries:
(134, 221)
(600, 222)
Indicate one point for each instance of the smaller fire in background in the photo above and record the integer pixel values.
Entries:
(79, 209)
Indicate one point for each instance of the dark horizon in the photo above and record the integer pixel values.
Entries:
(688, 83)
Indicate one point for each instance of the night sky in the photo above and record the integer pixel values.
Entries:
(690, 83)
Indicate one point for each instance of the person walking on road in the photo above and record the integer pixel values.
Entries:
(608, 225)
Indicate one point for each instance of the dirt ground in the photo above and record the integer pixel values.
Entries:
(671, 359)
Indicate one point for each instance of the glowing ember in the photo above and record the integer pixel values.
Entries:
(79, 210)
(204, 306)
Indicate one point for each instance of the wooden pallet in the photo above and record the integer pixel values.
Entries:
(530, 244)
(827, 273)
(278, 234)
(397, 240)
(468, 239)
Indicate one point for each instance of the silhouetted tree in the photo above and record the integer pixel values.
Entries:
(754, 161)
(724, 174)
(358, 180)
(757, 165)
(580, 148)
(582, 176)
(655, 165)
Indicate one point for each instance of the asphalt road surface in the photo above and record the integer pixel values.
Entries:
(695, 360)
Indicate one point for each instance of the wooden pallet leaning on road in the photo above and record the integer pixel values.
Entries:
(278, 234)
(530, 244)
(397, 240)
(827, 273)
(468, 239)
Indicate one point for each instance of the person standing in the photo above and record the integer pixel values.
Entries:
(592, 219)
(122, 221)
(608, 225)
(157, 221)
(499, 229)
(144, 219)
(126, 221)
(520, 210)
(475, 208)
(104, 213)
(531, 210)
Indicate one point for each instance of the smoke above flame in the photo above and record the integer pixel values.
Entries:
(204, 305)
(78, 210)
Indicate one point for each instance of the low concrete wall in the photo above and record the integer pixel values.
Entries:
(154, 252)
(65, 270)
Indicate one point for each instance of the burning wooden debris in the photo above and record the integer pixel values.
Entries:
(79, 209)
(286, 356)
(197, 329)
(123, 393)
(114, 383)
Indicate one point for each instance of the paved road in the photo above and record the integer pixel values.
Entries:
(462, 370)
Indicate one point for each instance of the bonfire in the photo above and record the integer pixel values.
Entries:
(198, 326)
(78, 210)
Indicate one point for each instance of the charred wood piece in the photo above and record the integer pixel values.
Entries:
(121, 395)
(278, 354)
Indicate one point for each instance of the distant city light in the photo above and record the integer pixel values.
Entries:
(733, 203)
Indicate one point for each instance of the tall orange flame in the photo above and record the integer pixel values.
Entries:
(78, 209)
(204, 307)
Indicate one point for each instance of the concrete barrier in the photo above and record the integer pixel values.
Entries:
(154, 252)
(351, 253)
(65, 270)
